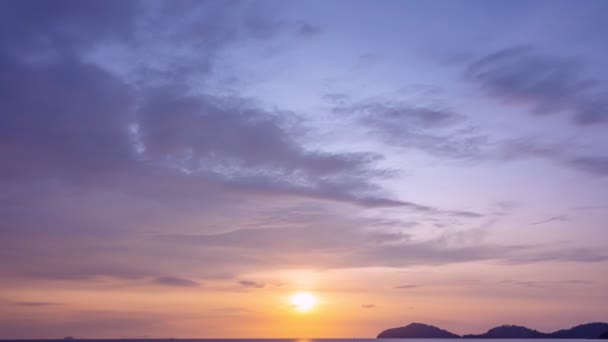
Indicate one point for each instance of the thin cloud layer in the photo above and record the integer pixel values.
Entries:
(251, 284)
(36, 304)
(437, 131)
(175, 281)
(352, 248)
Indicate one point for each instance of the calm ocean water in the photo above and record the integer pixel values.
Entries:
(305, 340)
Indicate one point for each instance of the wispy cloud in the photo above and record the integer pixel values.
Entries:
(251, 284)
(435, 130)
(550, 84)
(550, 284)
(564, 154)
(36, 304)
(175, 281)
(558, 218)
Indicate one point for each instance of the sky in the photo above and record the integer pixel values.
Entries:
(182, 168)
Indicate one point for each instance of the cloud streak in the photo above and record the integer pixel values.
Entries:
(435, 130)
(175, 281)
(36, 304)
(558, 218)
(251, 284)
(549, 84)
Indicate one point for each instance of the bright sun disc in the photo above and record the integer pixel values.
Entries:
(303, 301)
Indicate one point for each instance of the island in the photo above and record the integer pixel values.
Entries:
(420, 330)
(509, 331)
(417, 330)
(590, 330)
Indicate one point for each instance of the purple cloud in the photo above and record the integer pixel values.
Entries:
(175, 281)
(550, 84)
(251, 284)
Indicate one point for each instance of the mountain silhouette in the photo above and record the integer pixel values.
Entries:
(417, 330)
(589, 330)
(509, 331)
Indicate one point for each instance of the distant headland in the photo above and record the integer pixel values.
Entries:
(419, 330)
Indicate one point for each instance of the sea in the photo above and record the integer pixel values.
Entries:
(300, 340)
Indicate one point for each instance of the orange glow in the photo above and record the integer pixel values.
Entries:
(303, 301)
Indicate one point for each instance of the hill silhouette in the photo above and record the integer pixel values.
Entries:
(419, 330)
(509, 331)
(590, 330)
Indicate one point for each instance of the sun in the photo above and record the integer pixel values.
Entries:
(303, 301)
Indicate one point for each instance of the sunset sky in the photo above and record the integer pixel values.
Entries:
(184, 168)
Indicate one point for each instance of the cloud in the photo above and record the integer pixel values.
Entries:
(251, 284)
(36, 304)
(116, 134)
(308, 29)
(406, 287)
(580, 282)
(464, 214)
(287, 239)
(433, 129)
(368, 306)
(576, 254)
(590, 207)
(117, 151)
(591, 164)
(558, 218)
(567, 155)
(232, 311)
(210, 137)
(449, 135)
(67, 26)
(550, 84)
(334, 247)
(443, 133)
(549, 284)
(175, 281)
